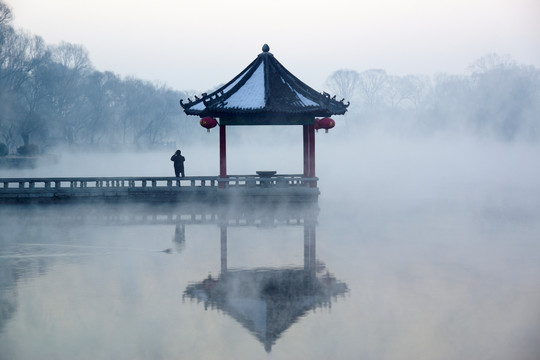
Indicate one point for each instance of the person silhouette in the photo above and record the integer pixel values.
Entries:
(178, 160)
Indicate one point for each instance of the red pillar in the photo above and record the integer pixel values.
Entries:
(306, 150)
(311, 134)
(222, 152)
(311, 150)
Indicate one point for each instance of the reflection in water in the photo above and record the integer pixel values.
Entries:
(267, 301)
(440, 281)
(8, 295)
(18, 263)
(180, 237)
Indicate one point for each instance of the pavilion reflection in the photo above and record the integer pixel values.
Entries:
(179, 215)
(268, 301)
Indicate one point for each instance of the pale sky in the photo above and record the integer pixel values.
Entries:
(199, 44)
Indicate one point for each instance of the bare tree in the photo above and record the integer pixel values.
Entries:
(343, 83)
(22, 59)
(392, 92)
(491, 61)
(506, 98)
(414, 89)
(6, 16)
(35, 91)
(69, 69)
(372, 83)
(73, 57)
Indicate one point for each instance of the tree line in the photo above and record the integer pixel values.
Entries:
(50, 95)
(498, 98)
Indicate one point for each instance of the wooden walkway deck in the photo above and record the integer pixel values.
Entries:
(212, 189)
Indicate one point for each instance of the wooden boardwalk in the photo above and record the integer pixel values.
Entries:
(212, 189)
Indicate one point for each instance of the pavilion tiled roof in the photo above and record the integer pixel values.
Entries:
(264, 87)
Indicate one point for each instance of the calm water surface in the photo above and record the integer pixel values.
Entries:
(403, 269)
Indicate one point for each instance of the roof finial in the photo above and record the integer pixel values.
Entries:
(266, 48)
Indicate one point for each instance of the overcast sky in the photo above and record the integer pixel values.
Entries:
(198, 44)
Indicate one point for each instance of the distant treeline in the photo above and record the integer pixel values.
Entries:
(498, 99)
(50, 95)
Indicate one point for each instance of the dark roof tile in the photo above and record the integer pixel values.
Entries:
(264, 87)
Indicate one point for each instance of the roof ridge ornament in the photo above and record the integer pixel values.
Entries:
(266, 48)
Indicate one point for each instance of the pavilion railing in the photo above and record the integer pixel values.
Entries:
(282, 181)
(66, 183)
(10, 185)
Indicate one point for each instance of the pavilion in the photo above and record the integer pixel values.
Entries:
(266, 93)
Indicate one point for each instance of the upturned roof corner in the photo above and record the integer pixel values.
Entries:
(264, 88)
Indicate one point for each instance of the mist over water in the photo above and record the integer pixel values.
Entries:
(436, 238)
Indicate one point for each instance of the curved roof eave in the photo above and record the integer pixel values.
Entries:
(264, 86)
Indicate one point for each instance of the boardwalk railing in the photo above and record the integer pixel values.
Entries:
(65, 183)
(166, 188)
(267, 181)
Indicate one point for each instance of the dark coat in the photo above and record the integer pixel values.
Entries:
(178, 161)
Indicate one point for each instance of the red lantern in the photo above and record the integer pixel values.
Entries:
(208, 123)
(317, 126)
(326, 123)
